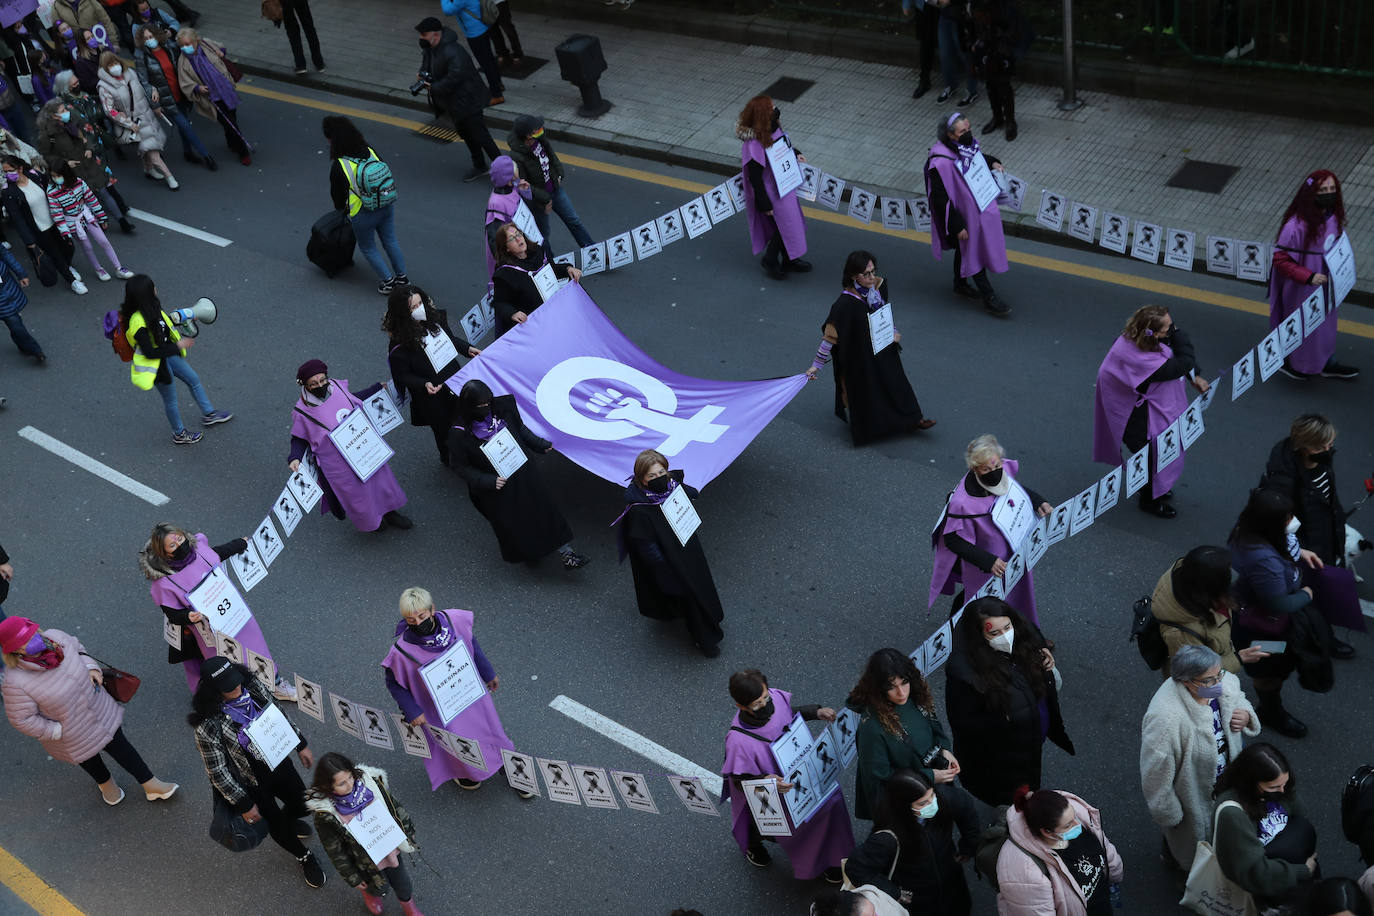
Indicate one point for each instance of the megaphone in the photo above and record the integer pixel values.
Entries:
(188, 321)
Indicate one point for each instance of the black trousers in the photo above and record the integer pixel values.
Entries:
(481, 50)
(296, 17)
(504, 24)
(473, 130)
(1002, 99)
(51, 243)
(280, 797)
(123, 754)
(927, 24)
(228, 119)
(979, 279)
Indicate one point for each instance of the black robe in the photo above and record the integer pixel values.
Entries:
(513, 289)
(671, 581)
(411, 368)
(874, 386)
(527, 522)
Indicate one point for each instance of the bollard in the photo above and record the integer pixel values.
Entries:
(1070, 101)
(581, 63)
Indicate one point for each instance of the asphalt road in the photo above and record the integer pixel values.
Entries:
(820, 551)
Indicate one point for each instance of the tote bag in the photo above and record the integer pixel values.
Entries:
(1209, 892)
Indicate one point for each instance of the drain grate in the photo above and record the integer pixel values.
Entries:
(437, 133)
(526, 67)
(1208, 177)
(788, 89)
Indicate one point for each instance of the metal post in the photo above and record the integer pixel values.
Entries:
(1070, 101)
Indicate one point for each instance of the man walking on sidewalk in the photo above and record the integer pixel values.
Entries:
(454, 87)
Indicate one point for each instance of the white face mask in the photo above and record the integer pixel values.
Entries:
(1293, 525)
(116, 71)
(1003, 641)
(418, 313)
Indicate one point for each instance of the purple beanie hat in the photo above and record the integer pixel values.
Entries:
(502, 171)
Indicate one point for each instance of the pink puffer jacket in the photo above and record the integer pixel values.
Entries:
(38, 700)
(1025, 890)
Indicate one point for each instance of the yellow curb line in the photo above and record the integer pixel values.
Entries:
(33, 890)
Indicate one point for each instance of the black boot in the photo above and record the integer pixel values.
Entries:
(1273, 715)
(1160, 508)
(125, 226)
(1340, 648)
(773, 259)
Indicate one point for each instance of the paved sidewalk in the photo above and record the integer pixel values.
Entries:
(676, 98)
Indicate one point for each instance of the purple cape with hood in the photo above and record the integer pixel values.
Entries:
(501, 207)
(1123, 369)
(787, 211)
(985, 247)
(1286, 296)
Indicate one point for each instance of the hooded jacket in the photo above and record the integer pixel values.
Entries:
(454, 84)
(69, 715)
(528, 167)
(350, 860)
(1028, 890)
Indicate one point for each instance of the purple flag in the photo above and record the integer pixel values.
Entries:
(1336, 595)
(583, 384)
(11, 11)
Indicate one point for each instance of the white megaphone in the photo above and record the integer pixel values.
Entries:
(188, 321)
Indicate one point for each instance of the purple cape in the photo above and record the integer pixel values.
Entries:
(479, 722)
(1123, 368)
(500, 208)
(816, 845)
(363, 503)
(787, 211)
(170, 591)
(985, 248)
(980, 530)
(1286, 296)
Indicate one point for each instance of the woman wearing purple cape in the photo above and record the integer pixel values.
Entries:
(1140, 392)
(176, 561)
(1312, 223)
(816, 846)
(426, 645)
(776, 225)
(957, 167)
(987, 510)
(508, 191)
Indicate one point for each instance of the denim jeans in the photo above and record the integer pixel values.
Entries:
(181, 369)
(952, 61)
(368, 225)
(190, 140)
(562, 205)
(21, 336)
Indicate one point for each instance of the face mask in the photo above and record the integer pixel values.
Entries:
(1208, 693)
(1003, 641)
(116, 70)
(1072, 833)
(1271, 796)
(929, 810)
(188, 49)
(424, 45)
(66, 33)
(658, 484)
(65, 116)
(319, 393)
(58, 180)
(145, 14)
(966, 139)
(425, 629)
(11, 176)
(760, 716)
(92, 43)
(183, 551)
(1293, 525)
(150, 44)
(1323, 457)
(990, 479)
(1327, 200)
(418, 313)
(35, 645)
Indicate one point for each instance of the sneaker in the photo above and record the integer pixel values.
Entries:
(574, 560)
(284, 692)
(76, 276)
(401, 280)
(397, 520)
(944, 94)
(124, 273)
(102, 274)
(1333, 369)
(470, 785)
(476, 172)
(524, 795)
(1240, 50)
(300, 71)
(969, 99)
(758, 857)
(186, 437)
(386, 285)
(79, 288)
(996, 307)
(111, 793)
(304, 830)
(158, 789)
(1294, 373)
(216, 416)
(310, 868)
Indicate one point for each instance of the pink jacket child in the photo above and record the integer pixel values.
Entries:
(1033, 877)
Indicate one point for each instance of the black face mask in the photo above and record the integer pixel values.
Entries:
(424, 629)
(757, 718)
(990, 479)
(479, 412)
(1324, 457)
(183, 551)
(966, 139)
(658, 484)
(1327, 200)
(424, 45)
(1271, 796)
(319, 393)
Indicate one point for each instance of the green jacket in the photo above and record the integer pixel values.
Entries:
(1241, 854)
(352, 863)
(881, 753)
(527, 167)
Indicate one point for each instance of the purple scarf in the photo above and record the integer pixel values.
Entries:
(650, 499)
(220, 86)
(486, 428)
(441, 638)
(243, 711)
(355, 801)
(872, 297)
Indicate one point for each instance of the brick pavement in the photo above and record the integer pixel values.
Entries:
(676, 98)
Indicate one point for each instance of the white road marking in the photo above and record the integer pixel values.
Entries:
(676, 764)
(184, 229)
(104, 471)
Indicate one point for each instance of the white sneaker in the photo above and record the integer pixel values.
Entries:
(124, 273)
(102, 274)
(79, 288)
(172, 182)
(75, 275)
(284, 692)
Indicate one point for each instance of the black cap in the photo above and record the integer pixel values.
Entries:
(222, 673)
(429, 24)
(527, 124)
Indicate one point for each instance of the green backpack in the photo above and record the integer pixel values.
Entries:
(373, 183)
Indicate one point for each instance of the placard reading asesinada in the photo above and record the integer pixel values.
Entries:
(681, 515)
(360, 444)
(453, 682)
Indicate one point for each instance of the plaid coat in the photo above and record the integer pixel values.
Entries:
(226, 763)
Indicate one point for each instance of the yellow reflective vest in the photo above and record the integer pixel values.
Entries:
(350, 170)
(143, 369)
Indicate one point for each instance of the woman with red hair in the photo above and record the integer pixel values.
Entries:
(1313, 223)
(776, 225)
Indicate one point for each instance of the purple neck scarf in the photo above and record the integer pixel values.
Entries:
(870, 296)
(220, 86)
(355, 801)
(243, 711)
(966, 154)
(441, 638)
(486, 428)
(650, 499)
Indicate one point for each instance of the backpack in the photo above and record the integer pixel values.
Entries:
(989, 846)
(1145, 633)
(115, 332)
(491, 11)
(374, 183)
(1357, 810)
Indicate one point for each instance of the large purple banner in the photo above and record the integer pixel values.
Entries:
(11, 11)
(584, 385)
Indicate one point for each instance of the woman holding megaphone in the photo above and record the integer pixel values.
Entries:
(160, 356)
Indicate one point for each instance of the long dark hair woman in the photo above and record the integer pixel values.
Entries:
(1002, 700)
(514, 293)
(1263, 839)
(520, 508)
(899, 729)
(423, 354)
(871, 386)
(1266, 556)
(911, 854)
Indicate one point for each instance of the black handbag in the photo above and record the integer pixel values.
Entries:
(44, 268)
(231, 831)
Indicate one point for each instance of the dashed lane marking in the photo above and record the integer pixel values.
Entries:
(99, 469)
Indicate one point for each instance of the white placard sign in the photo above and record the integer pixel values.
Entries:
(229, 647)
(670, 227)
(861, 204)
(248, 566)
(520, 770)
(918, 658)
(845, 730)
(681, 515)
(568, 258)
(171, 633)
(452, 681)
(938, 646)
(693, 794)
(634, 791)
(207, 635)
(1179, 254)
(1206, 399)
(782, 162)
(346, 715)
(1290, 332)
(439, 350)
(465, 750)
(1168, 446)
(272, 736)
(310, 698)
(1243, 374)
(546, 281)
(558, 779)
(620, 251)
(695, 217)
(1051, 212)
(735, 185)
(1340, 267)
(1084, 511)
(1145, 245)
(219, 602)
(1109, 490)
(360, 445)
(920, 212)
(1313, 311)
(1115, 228)
(1221, 255)
(881, 332)
(1190, 424)
(1015, 194)
(1013, 514)
(1016, 569)
(980, 182)
(381, 409)
(263, 668)
(412, 737)
(719, 205)
(991, 588)
(1038, 542)
(524, 221)
(1058, 527)
(593, 259)
(595, 786)
(375, 731)
(1083, 222)
(376, 831)
(811, 177)
(1251, 264)
(646, 240)
(504, 453)
(766, 806)
(480, 320)
(1138, 470)
(265, 536)
(830, 191)
(304, 487)
(287, 512)
(825, 757)
(1270, 352)
(894, 212)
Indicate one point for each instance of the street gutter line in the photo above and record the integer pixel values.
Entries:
(676, 764)
(45, 899)
(99, 469)
(184, 229)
